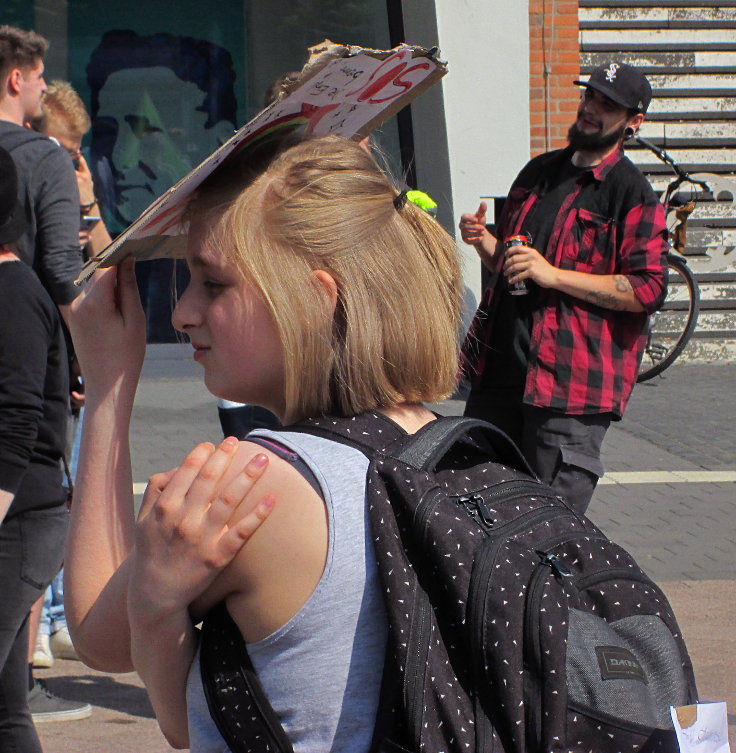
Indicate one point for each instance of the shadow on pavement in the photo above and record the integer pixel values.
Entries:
(103, 690)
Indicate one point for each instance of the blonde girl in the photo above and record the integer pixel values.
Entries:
(314, 290)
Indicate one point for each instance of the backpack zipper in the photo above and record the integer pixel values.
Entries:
(476, 504)
(532, 684)
(418, 639)
(478, 592)
(532, 619)
(476, 507)
(591, 579)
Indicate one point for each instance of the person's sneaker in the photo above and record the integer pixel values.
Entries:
(62, 646)
(47, 707)
(42, 655)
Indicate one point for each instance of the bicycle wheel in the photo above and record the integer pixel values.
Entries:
(672, 326)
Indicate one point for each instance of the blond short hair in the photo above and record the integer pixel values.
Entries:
(63, 106)
(325, 205)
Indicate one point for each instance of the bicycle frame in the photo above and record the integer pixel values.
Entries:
(663, 348)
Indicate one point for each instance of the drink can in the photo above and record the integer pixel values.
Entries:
(517, 288)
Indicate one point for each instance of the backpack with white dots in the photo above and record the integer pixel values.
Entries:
(515, 624)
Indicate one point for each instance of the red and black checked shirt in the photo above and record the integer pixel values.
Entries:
(582, 358)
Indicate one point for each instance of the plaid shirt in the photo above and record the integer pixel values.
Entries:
(582, 358)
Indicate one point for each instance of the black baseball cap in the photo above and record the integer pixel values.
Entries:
(624, 84)
(12, 221)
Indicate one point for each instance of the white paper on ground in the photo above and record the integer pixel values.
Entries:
(701, 728)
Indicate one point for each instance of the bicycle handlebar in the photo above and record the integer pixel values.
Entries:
(682, 175)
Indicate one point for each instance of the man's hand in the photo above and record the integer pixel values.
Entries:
(526, 263)
(612, 292)
(473, 232)
(473, 226)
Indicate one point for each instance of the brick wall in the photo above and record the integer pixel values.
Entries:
(554, 44)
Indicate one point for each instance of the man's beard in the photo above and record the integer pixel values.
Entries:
(593, 142)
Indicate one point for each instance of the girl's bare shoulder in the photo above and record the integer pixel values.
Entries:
(280, 565)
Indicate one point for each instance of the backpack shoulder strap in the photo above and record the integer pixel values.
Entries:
(368, 432)
(373, 432)
(235, 697)
(430, 444)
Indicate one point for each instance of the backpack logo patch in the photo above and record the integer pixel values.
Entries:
(618, 663)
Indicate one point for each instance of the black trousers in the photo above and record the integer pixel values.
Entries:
(563, 450)
(31, 553)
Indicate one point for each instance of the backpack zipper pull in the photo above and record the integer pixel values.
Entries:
(558, 567)
(478, 509)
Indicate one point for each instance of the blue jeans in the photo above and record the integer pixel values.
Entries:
(52, 611)
(31, 553)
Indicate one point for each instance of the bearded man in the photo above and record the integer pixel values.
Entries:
(553, 367)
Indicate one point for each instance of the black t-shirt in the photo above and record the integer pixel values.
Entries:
(34, 391)
(513, 316)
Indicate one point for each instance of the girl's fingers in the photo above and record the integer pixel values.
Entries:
(156, 484)
(209, 479)
(181, 481)
(233, 540)
(228, 500)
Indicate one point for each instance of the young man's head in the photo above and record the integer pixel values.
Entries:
(612, 107)
(21, 74)
(63, 117)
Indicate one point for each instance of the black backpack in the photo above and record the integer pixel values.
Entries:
(515, 624)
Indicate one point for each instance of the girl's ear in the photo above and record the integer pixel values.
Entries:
(329, 286)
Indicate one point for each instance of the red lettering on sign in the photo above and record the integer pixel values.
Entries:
(381, 79)
(375, 87)
(388, 61)
(401, 81)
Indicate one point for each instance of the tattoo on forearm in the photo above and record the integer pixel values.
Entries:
(605, 300)
(610, 300)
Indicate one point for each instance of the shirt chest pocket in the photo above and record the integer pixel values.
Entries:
(592, 239)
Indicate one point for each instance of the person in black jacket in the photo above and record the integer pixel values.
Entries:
(34, 394)
(47, 186)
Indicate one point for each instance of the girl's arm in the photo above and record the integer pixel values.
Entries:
(188, 530)
(108, 330)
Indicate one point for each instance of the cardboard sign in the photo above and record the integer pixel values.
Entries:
(345, 91)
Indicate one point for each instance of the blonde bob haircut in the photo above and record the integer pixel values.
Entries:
(324, 204)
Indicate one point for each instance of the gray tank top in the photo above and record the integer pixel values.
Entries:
(322, 670)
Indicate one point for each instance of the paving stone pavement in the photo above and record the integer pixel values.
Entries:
(682, 534)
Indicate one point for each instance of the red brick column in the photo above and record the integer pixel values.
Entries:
(554, 47)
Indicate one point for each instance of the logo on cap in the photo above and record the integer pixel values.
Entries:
(611, 72)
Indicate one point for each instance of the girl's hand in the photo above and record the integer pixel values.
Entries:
(84, 182)
(184, 535)
(108, 328)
